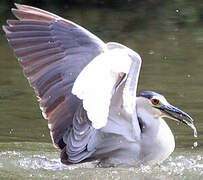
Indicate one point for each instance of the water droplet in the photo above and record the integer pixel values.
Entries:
(195, 144)
(194, 129)
(11, 131)
(151, 52)
(199, 158)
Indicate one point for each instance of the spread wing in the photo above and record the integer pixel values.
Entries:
(59, 59)
(52, 52)
(100, 79)
(108, 82)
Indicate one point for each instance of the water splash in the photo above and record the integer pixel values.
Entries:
(181, 165)
(194, 129)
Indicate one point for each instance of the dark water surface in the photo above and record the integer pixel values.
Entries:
(172, 65)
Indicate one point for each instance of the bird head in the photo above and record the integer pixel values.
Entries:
(155, 105)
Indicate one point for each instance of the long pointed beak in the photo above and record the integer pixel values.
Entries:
(177, 115)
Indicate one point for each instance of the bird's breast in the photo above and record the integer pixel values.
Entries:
(156, 148)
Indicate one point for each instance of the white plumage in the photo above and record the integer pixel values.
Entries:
(95, 85)
(87, 91)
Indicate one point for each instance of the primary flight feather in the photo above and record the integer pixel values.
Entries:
(87, 92)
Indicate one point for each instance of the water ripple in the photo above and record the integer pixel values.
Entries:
(48, 165)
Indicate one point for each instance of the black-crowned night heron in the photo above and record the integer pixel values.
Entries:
(87, 91)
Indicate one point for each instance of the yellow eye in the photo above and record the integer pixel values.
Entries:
(155, 101)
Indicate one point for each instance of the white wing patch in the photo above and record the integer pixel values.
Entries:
(95, 85)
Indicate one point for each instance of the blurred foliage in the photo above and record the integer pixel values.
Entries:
(182, 12)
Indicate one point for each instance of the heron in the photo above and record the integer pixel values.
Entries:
(87, 90)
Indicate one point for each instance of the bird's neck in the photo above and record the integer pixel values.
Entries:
(157, 140)
(149, 125)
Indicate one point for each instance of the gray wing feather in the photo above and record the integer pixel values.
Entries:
(78, 139)
(52, 52)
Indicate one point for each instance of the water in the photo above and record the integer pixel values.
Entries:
(172, 65)
(39, 161)
(194, 129)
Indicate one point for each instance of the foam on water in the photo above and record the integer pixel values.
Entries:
(46, 165)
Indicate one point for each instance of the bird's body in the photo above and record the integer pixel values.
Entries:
(117, 150)
(119, 145)
(87, 91)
